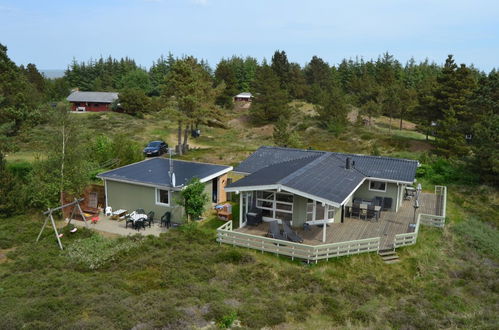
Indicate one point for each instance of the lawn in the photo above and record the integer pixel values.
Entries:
(185, 279)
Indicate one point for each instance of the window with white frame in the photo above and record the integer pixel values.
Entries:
(162, 197)
(275, 205)
(377, 186)
(317, 211)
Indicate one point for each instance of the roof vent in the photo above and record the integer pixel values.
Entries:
(348, 164)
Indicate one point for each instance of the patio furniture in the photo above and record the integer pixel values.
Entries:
(410, 192)
(224, 212)
(254, 218)
(290, 234)
(140, 223)
(150, 218)
(274, 231)
(140, 211)
(363, 211)
(378, 201)
(109, 211)
(119, 213)
(387, 203)
(128, 220)
(166, 219)
(371, 212)
(355, 211)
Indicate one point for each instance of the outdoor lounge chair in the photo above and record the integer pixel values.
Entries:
(166, 219)
(290, 234)
(275, 231)
(140, 211)
(254, 217)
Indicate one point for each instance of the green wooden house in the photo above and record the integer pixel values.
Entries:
(155, 185)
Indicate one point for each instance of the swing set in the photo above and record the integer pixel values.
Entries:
(49, 212)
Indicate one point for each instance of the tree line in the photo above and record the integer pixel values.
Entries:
(457, 104)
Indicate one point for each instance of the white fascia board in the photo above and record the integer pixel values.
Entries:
(388, 180)
(216, 175)
(353, 191)
(251, 188)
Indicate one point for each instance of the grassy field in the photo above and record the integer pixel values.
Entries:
(232, 144)
(184, 279)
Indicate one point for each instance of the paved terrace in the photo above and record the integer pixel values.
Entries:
(107, 225)
(389, 224)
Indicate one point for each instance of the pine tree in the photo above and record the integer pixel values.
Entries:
(332, 110)
(281, 68)
(452, 95)
(271, 100)
(283, 135)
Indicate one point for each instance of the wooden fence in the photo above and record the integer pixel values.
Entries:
(295, 250)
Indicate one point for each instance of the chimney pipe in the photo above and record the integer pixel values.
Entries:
(348, 163)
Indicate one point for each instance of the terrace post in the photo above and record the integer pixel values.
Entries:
(241, 209)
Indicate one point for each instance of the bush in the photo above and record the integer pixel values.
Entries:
(479, 235)
(234, 256)
(443, 171)
(227, 320)
(20, 169)
(96, 251)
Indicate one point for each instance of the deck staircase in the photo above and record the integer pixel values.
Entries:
(389, 256)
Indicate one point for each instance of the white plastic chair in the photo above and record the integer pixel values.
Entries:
(109, 211)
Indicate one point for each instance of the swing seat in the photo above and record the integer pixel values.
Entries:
(74, 230)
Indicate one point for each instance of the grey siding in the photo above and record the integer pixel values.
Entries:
(391, 191)
(130, 197)
(299, 210)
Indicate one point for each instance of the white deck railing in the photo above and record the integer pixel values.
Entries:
(433, 220)
(295, 250)
(226, 235)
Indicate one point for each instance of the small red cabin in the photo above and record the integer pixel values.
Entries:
(92, 101)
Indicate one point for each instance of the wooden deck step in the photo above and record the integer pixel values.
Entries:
(389, 257)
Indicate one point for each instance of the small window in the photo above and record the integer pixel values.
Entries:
(162, 197)
(377, 186)
(330, 212)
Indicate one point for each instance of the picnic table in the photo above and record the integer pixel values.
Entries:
(119, 213)
(136, 216)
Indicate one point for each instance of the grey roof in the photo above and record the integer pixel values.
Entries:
(154, 171)
(99, 97)
(266, 156)
(319, 173)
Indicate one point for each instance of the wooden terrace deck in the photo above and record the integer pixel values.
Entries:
(389, 225)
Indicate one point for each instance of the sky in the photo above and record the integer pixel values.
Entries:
(51, 33)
